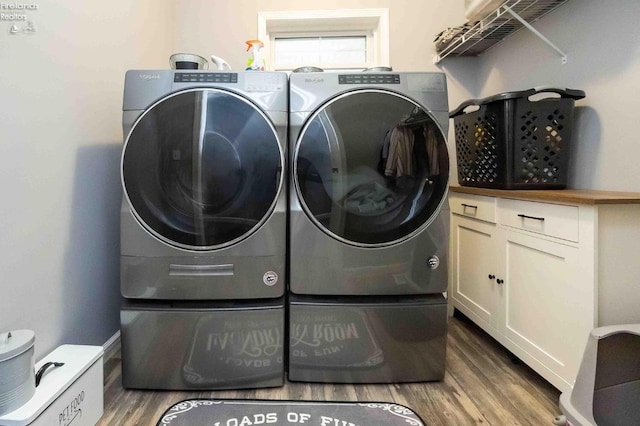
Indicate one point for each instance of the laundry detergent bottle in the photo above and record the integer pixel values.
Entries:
(255, 61)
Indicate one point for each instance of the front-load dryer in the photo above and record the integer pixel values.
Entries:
(368, 226)
(203, 225)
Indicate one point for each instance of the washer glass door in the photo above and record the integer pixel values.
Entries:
(371, 167)
(202, 169)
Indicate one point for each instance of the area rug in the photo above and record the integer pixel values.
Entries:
(239, 412)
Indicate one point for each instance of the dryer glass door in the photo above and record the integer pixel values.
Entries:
(371, 167)
(202, 169)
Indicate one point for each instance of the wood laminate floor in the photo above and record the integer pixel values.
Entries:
(484, 384)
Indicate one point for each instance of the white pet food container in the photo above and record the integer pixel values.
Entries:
(17, 375)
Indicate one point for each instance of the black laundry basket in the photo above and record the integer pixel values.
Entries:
(512, 142)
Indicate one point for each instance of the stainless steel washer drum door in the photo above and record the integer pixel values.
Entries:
(202, 169)
(371, 168)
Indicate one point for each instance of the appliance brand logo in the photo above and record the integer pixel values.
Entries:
(314, 80)
(270, 278)
(150, 77)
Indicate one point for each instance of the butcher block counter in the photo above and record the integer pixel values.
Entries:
(571, 196)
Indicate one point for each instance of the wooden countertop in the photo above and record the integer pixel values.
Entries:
(573, 196)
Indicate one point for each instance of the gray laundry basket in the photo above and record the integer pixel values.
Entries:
(607, 388)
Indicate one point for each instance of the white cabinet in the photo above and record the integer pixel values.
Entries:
(473, 246)
(548, 310)
(533, 272)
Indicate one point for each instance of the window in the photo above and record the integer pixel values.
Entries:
(324, 51)
(329, 39)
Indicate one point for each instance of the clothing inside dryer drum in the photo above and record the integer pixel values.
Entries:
(202, 168)
(371, 167)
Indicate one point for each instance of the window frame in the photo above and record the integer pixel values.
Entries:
(371, 23)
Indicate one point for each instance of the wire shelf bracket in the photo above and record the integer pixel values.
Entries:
(563, 55)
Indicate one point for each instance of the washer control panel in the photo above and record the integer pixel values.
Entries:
(205, 77)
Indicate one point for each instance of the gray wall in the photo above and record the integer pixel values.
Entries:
(60, 141)
(60, 134)
(602, 41)
(220, 27)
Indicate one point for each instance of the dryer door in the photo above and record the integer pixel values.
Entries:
(371, 168)
(202, 169)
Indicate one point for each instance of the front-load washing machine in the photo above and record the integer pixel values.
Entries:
(203, 225)
(368, 227)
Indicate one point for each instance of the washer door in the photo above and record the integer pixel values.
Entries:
(371, 168)
(202, 169)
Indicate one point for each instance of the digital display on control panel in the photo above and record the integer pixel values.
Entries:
(369, 78)
(205, 77)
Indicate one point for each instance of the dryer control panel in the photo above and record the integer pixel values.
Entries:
(369, 78)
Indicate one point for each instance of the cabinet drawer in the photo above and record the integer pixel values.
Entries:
(476, 206)
(554, 220)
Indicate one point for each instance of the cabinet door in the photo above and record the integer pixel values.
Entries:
(473, 283)
(548, 307)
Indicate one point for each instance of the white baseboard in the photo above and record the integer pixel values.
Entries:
(111, 345)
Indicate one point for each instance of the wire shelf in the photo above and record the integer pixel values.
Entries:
(509, 17)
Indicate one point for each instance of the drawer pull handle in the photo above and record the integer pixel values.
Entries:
(469, 206)
(524, 216)
(492, 277)
(500, 281)
(201, 270)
